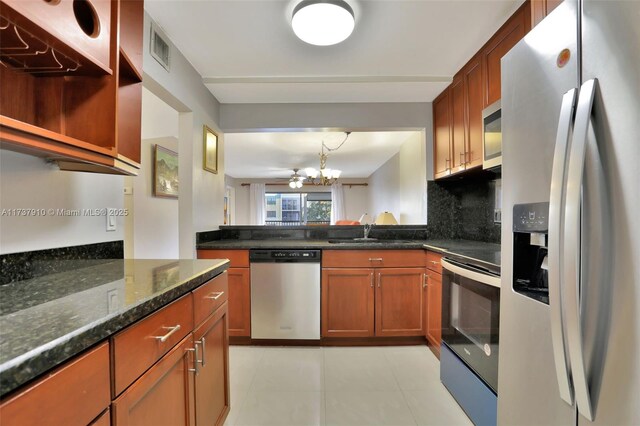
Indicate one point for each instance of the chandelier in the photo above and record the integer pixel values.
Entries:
(325, 176)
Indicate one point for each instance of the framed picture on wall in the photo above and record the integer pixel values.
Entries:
(210, 150)
(165, 173)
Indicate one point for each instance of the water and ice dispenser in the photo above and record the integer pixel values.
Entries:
(530, 241)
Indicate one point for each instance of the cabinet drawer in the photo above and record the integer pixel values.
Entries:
(209, 297)
(372, 258)
(433, 261)
(238, 258)
(74, 394)
(136, 348)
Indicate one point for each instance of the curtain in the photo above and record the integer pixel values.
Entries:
(257, 204)
(338, 211)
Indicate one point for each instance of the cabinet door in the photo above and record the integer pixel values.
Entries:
(458, 127)
(239, 302)
(347, 302)
(474, 103)
(399, 308)
(506, 37)
(434, 319)
(163, 395)
(212, 378)
(442, 135)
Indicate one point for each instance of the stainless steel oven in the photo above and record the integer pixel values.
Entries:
(492, 136)
(470, 317)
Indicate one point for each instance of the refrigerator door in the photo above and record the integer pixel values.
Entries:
(610, 304)
(535, 76)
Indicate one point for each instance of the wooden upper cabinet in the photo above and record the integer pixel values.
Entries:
(131, 49)
(442, 134)
(73, 394)
(347, 302)
(164, 394)
(458, 124)
(239, 302)
(472, 75)
(502, 41)
(541, 8)
(399, 297)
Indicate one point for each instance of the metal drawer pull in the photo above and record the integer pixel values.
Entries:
(375, 259)
(217, 295)
(166, 336)
(433, 262)
(203, 343)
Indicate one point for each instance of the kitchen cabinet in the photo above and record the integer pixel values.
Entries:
(73, 394)
(212, 398)
(399, 307)
(347, 303)
(541, 8)
(457, 111)
(239, 289)
(162, 395)
(442, 135)
(433, 324)
(81, 106)
(502, 41)
(372, 293)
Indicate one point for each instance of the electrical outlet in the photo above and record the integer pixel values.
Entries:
(111, 219)
(128, 190)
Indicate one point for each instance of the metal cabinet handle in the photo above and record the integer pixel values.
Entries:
(446, 164)
(371, 276)
(379, 278)
(556, 216)
(195, 369)
(463, 157)
(375, 259)
(218, 294)
(433, 262)
(572, 262)
(202, 343)
(166, 336)
(425, 280)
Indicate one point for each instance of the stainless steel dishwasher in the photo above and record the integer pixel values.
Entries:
(285, 294)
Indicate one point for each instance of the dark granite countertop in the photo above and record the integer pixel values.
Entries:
(484, 254)
(45, 321)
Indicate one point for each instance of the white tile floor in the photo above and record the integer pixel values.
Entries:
(396, 385)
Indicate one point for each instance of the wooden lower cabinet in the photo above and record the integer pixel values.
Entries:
(103, 420)
(212, 379)
(347, 302)
(399, 307)
(366, 302)
(239, 302)
(434, 310)
(164, 394)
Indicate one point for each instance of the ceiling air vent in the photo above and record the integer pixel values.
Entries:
(160, 46)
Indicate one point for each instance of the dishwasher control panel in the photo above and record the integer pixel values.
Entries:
(272, 255)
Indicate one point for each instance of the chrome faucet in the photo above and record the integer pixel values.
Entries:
(367, 230)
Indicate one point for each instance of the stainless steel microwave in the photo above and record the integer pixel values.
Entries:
(492, 136)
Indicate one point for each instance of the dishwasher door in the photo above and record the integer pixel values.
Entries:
(285, 301)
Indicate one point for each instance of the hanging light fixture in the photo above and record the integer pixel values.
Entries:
(325, 176)
(323, 22)
(296, 180)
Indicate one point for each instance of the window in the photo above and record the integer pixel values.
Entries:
(294, 208)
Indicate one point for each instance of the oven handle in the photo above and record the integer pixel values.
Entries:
(472, 275)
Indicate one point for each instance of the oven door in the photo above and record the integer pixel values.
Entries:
(470, 317)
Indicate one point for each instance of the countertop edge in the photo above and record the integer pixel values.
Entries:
(30, 366)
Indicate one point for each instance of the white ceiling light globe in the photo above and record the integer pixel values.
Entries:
(323, 23)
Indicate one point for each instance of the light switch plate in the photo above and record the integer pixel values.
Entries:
(111, 219)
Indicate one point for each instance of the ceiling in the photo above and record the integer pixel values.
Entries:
(400, 50)
(274, 155)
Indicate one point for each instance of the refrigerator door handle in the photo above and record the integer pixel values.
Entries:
(556, 216)
(572, 248)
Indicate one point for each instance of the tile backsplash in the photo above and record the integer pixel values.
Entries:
(463, 209)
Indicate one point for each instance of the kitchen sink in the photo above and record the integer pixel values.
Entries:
(367, 241)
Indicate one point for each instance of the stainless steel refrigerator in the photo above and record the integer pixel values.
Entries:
(571, 138)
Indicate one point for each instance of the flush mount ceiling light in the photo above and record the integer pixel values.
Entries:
(323, 23)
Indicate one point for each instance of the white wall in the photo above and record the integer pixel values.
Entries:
(400, 185)
(28, 182)
(201, 192)
(356, 197)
